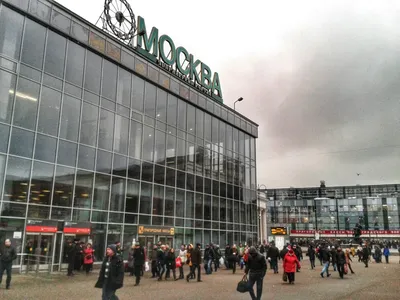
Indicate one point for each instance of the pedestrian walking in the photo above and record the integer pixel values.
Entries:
(256, 268)
(311, 254)
(7, 255)
(291, 265)
(131, 260)
(138, 261)
(171, 263)
(340, 261)
(71, 253)
(88, 258)
(386, 253)
(273, 256)
(325, 258)
(196, 262)
(349, 260)
(111, 277)
(182, 256)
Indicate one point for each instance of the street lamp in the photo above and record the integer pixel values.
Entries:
(238, 100)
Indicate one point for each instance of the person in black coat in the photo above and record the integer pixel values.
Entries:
(273, 256)
(70, 255)
(334, 258)
(7, 255)
(161, 261)
(171, 264)
(138, 261)
(196, 262)
(365, 255)
(311, 255)
(111, 277)
(228, 253)
(257, 267)
(340, 261)
(299, 254)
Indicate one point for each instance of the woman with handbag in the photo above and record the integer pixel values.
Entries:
(88, 258)
(182, 256)
(171, 263)
(290, 262)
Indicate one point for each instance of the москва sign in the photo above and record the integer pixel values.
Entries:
(196, 73)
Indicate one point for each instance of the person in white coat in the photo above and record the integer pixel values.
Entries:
(182, 256)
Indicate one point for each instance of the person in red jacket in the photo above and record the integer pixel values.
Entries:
(88, 258)
(290, 262)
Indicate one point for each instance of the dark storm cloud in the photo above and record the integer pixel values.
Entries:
(335, 87)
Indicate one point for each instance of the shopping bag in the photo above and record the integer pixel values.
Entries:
(284, 277)
(221, 261)
(346, 269)
(242, 286)
(146, 266)
(178, 262)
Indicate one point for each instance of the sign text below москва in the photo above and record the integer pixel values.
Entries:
(153, 48)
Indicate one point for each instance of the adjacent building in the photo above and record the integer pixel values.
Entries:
(99, 142)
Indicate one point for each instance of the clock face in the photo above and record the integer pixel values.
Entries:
(120, 18)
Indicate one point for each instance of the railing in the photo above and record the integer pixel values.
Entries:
(33, 263)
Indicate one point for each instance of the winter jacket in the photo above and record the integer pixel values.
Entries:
(334, 256)
(88, 256)
(234, 255)
(182, 255)
(130, 258)
(290, 262)
(256, 265)
(324, 255)
(311, 253)
(365, 253)
(209, 254)
(273, 253)
(170, 260)
(283, 252)
(138, 256)
(113, 268)
(298, 252)
(218, 253)
(341, 258)
(386, 252)
(196, 256)
(7, 254)
(161, 257)
(153, 256)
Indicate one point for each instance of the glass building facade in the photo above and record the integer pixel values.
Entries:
(335, 208)
(91, 132)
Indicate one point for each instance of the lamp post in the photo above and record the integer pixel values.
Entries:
(238, 100)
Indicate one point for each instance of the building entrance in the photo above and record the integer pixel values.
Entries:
(148, 236)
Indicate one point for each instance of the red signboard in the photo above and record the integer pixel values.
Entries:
(345, 232)
(41, 226)
(77, 230)
(82, 228)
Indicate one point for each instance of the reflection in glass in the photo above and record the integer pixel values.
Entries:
(63, 187)
(34, 37)
(137, 93)
(145, 198)
(182, 115)
(159, 174)
(7, 84)
(134, 169)
(170, 177)
(124, 87)
(199, 206)
(119, 166)
(147, 171)
(158, 200)
(106, 130)
(207, 127)
(169, 201)
(171, 151)
(70, 118)
(189, 205)
(172, 114)
(93, 72)
(26, 101)
(83, 189)
(55, 54)
(11, 24)
(75, 63)
(161, 105)
(67, 153)
(21, 142)
(104, 160)
(191, 119)
(135, 140)
(42, 183)
(61, 214)
(13, 210)
(101, 192)
(80, 215)
(89, 124)
(38, 211)
(109, 88)
(181, 154)
(45, 148)
(150, 100)
(179, 203)
(148, 143)
(132, 196)
(159, 151)
(117, 194)
(49, 112)
(17, 179)
(121, 135)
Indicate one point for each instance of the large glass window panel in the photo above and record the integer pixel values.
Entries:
(253, 148)
(191, 119)
(229, 210)
(55, 54)
(161, 105)
(11, 24)
(93, 72)
(215, 209)
(150, 100)
(119, 166)
(106, 129)
(207, 207)
(235, 140)
(75, 63)
(70, 118)
(49, 111)
(17, 179)
(241, 143)
(61, 214)
(199, 206)
(83, 189)
(171, 151)
(181, 155)
(190, 152)
(26, 101)
(80, 215)
(7, 93)
(4, 135)
(145, 198)
(109, 87)
(101, 192)
(228, 137)
(179, 203)
(189, 205)
(134, 169)
(42, 183)
(148, 143)
(207, 127)
(63, 187)
(117, 194)
(137, 93)
(45, 148)
(170, 177)
(172, 115)
(159, 174)
(147, 171)
(124, 87)
(158, 200)
(33, 45)
(135, 140)
(169, 201)
(159, 151)
(132, 196)
(38, 211)
(86, 157)
(215, 131)
(13, 210)
(104, 160)
(90, 115)
(67, 153)
(182, 114)
(21, 142)
(121, 135)
(199, 123)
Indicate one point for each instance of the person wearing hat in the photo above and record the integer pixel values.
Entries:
(70, 251)
(196, 261)
(111, 277)
(138, 261)
(7, 255)
(256, 267)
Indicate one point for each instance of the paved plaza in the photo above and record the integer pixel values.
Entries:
(379, 281)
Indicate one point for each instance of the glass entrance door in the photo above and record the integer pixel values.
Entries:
(147, 242)
(166, 240)
(39, 251)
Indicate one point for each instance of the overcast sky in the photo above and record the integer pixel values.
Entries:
(321, 78)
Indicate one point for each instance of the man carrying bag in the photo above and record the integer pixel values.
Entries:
(256, 267)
